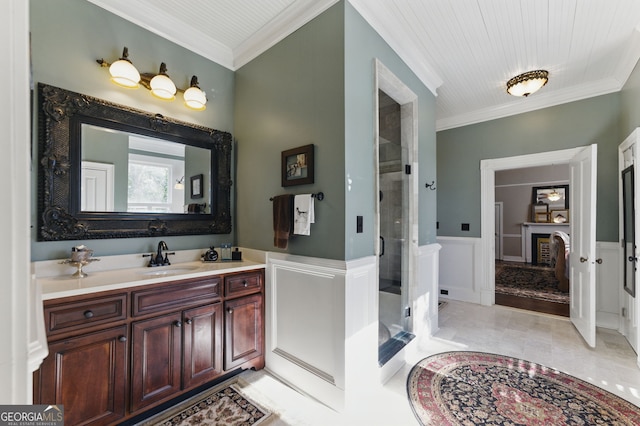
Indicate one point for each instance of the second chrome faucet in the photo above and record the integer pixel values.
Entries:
(160, 259)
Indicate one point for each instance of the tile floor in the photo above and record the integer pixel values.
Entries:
(545, 339)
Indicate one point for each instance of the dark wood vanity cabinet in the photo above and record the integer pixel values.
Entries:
(177, 336)
(244, 330)
(88, 374)
(244, 325)
(175, 351)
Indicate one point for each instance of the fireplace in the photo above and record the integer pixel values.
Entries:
(530, 247)
(540, 251)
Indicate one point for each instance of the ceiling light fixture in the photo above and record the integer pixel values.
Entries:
(527, 83)
(124, 74)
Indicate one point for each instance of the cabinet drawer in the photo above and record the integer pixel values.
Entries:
(70, 316)
(176, 296)
(241, 284)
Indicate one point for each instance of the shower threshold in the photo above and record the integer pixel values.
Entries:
(388, 349)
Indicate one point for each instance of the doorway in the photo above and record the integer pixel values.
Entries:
(583, 165)
(530, 271)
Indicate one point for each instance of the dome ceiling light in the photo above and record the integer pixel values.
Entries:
(527, 83)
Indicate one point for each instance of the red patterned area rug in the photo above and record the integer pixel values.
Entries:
(475, 388)
(223, 405)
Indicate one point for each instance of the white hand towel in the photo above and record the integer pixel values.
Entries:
(303, 214)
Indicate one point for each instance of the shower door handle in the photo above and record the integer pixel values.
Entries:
(381, 246)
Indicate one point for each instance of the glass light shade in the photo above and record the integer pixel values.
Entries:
(124, 74)
(162, 87)
(178, 185)
(195, 98)
(527, 83)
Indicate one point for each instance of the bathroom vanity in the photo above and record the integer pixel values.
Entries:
(122, 342)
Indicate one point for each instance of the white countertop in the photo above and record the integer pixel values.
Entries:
(57, 286)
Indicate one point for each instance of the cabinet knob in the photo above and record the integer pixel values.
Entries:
(122, 338)
(88, 314)
(188, 321)
(245, 283)
(178, 323)
(229, 310)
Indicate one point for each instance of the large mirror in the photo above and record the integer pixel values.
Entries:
(109, 171)
(629, 243)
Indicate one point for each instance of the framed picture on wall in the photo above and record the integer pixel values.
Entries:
(540, 213)
(559, 216)
(556, 197)
(196, 186)
(297, 166)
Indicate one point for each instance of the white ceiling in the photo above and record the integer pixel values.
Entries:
(464, 50)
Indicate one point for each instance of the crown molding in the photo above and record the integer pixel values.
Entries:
(404, 48)
(531, 103)
(164, 25)
(292, 18)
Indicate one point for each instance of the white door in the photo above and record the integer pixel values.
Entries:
(582, 277)
(96, 187)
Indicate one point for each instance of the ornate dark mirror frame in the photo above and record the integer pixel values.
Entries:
(60, 116)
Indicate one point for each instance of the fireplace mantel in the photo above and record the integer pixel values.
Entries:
(530, 228)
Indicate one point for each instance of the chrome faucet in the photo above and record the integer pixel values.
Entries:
(159, 259)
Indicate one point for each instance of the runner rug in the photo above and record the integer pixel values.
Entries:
(472, 388)
(223, 405)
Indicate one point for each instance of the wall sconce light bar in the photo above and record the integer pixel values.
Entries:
(124, 74)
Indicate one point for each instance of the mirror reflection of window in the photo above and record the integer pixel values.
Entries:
(144, 172)
(153, 166)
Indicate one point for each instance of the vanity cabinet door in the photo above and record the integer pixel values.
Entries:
(202, 360)
(156, 359)
(244, 330)
(87, 374)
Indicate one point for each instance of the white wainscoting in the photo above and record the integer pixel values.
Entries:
(461, 275)
(425, 301)
(460, 269)
(321, 324)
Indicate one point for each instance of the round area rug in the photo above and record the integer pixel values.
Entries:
(473, 388)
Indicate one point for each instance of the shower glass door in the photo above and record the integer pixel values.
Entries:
(393, 224)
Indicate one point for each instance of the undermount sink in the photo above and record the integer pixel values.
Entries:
(167, 270)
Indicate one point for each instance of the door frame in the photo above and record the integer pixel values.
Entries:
(631, 142)
(388, 82)
(487, 214)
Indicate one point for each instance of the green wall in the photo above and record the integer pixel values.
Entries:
(313, 87)
(67, 36)
(630, 99)
(109, 148)
(317, 86)
(581, 123)
(362, 46)
(290, 96)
